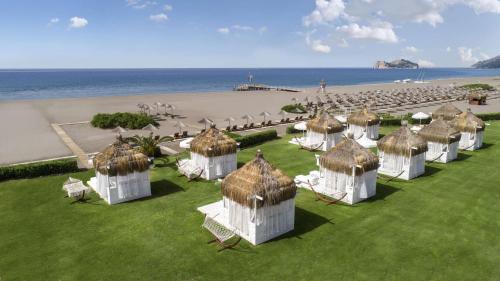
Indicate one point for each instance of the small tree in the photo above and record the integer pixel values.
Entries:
(148, 144)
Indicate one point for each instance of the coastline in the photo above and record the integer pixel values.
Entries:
(31, 136)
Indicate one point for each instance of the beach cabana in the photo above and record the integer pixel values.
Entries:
(364, 122)
(402, 154)
(258, 202)
(122, 173)
(213, 156)
(442, 141)
(347, 172)
(447, 112)
(471, 129)
(323, 132)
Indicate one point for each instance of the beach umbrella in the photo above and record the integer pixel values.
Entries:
(306, 100)
(180, 125)
(141, 107)
(247, 117)
(295, 100)
(150, 127)
(265, 114)
(164, 105)
(172, 108)
(420, 116)
(319, 100)
(229, 120)
(205, 121)
(157, 105)
(119, 130)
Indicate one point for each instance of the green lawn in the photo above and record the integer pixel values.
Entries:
(442, 226)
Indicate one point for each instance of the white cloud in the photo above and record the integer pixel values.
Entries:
(382, 31)
(242, 27)
(168, 8)
(320, 47)
(77, 22)
(343, 43)
(466, 55)
(484, 6)
(262, 30)
(448, 49)
(53, 21)
(432, 18)
(140, 4)
(223, 30)
(326, 11)
(161, 17)
(411, 49)
(425, 63)
(484, 56)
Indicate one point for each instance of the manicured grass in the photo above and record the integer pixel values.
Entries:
(442, 226)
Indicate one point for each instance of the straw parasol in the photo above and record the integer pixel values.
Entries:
(119, 130)
(265, 114)
(363, 117)
(403, 142)
(447, 112)
(120, 159)
(150, 127)
(420, 116)
(468, 122)
(213, 143)
(324, 124)
(440, 131)
(180, 125)
(205, 121)
(258, 178)
(348, 154)
(229, 120)
(282, 113)
(247, 117)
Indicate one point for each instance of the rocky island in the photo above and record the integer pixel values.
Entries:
(489, 63)
(401, 63)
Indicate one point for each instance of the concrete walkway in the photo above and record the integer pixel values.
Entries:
(83, 159)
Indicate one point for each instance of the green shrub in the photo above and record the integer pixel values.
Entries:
(485, 87)
(256, 138)
(294, 108)
(489, 116)
(291, 130)
(123, 119)
(38, 169)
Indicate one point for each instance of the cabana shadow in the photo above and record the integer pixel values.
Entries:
(462, 156)
(305, 222)
(383, 191)
(161, 188)
(486, 145)
(430, 171)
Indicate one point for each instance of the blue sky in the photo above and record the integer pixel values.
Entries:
(257, 33)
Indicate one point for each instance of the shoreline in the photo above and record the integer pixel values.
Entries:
(31, 137)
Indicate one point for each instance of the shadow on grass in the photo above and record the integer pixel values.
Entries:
(383, 191)
(161, 188)
(305, 222)
(486, 145)
(430, 171)
(462, 156)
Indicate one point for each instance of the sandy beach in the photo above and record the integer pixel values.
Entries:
(29, 136)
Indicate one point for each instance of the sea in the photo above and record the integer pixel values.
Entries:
(25, 84)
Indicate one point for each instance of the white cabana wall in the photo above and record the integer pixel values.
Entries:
(215, 167)
(314, 139)
(118, 189)
(358, 131)
(358, 188)
(442, 153)
(264, 224)
(471, 141)
(393, 164)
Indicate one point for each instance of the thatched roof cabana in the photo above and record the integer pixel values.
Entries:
(324, 124)
(440, 131)
(468, 122)
(120, 159)
(403, 142)
(347, 154)
(258, 177)
(363, 117)
(447, 112)
(213, 143)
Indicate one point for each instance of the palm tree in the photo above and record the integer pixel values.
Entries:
(148, 144)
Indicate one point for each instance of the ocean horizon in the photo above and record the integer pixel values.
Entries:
(25, 84)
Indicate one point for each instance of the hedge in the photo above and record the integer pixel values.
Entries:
(38, 169)
(489, 116)
(123, 119)
(485, 87)
(291, 130)
(294, 108)
(256, 138)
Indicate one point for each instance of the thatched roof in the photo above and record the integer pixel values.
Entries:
(363, 117)
(324, 124)
(120, 159)
(447, 112)
(477, 96)
(213, 143)
(258, 177)
(347, 154)
(468, 122)
(403, 142)
(440, 131)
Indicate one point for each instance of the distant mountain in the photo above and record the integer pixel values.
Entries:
(489, 63)
(402, 63)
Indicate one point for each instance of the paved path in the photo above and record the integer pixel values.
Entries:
(82, 157)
